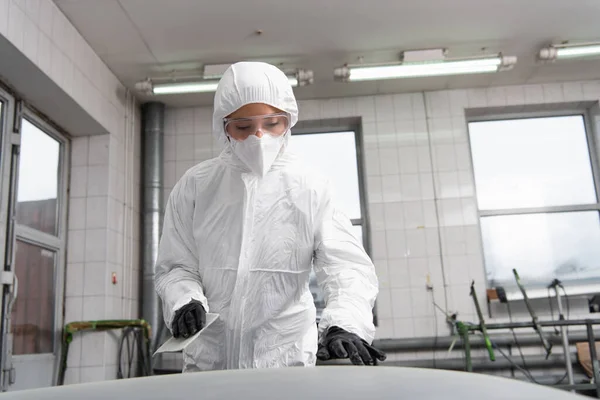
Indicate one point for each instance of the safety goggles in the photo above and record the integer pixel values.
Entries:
(272, 124)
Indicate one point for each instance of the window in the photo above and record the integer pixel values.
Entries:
(537, 199)
(335, 155)
(40, 238)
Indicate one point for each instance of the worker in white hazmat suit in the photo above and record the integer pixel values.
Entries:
(241, 234)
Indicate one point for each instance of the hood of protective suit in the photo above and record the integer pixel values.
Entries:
(252, 82)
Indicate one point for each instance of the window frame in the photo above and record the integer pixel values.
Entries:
(55, 243)
(593, 152)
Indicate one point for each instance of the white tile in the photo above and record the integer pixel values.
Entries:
(329, 108)
(445, 157)
(553, 93)
(93, 308)
(95, 245)
(438, 104)
(93, 348)
(495, 96)
(458, 102)
(388, 160)
(424, 157)
(457, 269)
(16, 22)
(385, 328)
(97, 183)
(432, 239)
(401, 303)
(386, 134)
(410, 187)
(391, 188)
(184, 121)
(375, 189)
(95, 279)
(309, 110)
(441, 131)
(96, 212)
(384, 108)
(591, 90)
(453, 241)
(74, 279)
(473, 240)
(416, 243)
(72, 375)
(372, 162)
(469, 209)
(424, 326)
(30, 39)
(396, 244)
(203, 141)
(465, 183)
(421, 132)
(476, 268)
(77, 213)
(402, 107)
(447, 185)
(347, 107)
(79, 151)
(379, 244)
(451, 212)
(572, 91)
(398, 273)
(58, 65)
(534, 94)
(365, 107)
(169, 174)
(384, 304)
(477, 98)
(381, 269)
(463, 156)
(422, 300)
(418, 269)
(73, 309)
(405, 132)
(369, 130)
(116, 210)
(429, 214)
(181, 167)
(426, 182)
(403, 329)
(413, 215)
(418, 105)
(76, 246)
(98, 150)
(4, 8)
(184, 147)
(393, 215)
(409, 159)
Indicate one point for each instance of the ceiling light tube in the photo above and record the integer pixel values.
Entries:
(298, 78)
(353, 73)
(560, 51)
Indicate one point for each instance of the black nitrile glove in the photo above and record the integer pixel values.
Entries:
(188, 320)
(339, 343)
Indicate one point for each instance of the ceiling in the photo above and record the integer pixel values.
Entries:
(140, 38)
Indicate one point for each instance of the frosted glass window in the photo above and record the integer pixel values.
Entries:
(536, 162)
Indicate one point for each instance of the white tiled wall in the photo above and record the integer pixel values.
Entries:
(420, 190)
(103, 234)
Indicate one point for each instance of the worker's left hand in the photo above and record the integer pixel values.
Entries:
(339, 343)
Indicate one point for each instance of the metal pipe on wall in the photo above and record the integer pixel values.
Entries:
(444, 342)
(153, 115)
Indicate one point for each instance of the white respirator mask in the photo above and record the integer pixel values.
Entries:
(259, 154)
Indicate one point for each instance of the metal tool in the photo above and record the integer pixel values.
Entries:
(556, 285)
(486, 338)
(547, 345)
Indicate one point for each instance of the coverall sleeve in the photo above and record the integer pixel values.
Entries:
(345, 274)
(176, 272)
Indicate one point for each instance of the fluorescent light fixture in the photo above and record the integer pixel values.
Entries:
(413, 70)
(300, 78)
(186, 87)
(555, 52)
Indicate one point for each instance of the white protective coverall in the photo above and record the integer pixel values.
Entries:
(244, 246)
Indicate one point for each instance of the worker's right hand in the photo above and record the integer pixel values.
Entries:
(188, 320)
